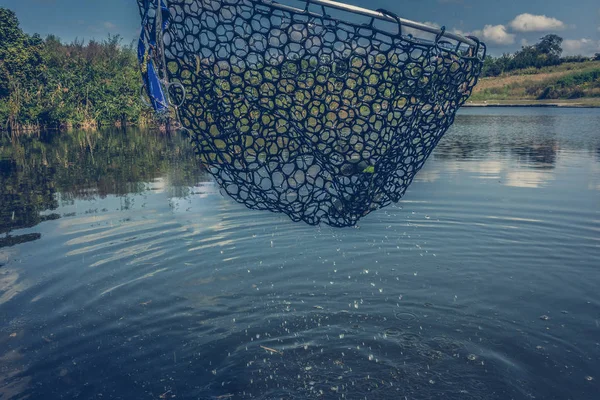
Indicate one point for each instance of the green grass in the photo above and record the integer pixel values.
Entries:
(569, 81)
(566, 67)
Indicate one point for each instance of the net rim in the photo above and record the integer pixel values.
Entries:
(476, 48)
(471, 41)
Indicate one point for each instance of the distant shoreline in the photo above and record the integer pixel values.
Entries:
(568, 85)
(591, 103)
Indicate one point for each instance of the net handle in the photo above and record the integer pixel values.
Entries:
(386, 17)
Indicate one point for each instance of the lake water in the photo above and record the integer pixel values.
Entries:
(125, 274)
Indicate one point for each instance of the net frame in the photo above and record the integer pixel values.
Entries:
(297, 111)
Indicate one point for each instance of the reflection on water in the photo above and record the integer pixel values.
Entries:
(125, 274)
(517, 148)
(38, 176)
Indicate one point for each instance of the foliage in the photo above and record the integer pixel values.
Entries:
(574, 80)
(546, 53)
(573, 86)
(550, 45)
(574, 59)
(47, 84)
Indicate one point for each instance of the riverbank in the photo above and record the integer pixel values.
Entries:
(563, 103)
(565, 85)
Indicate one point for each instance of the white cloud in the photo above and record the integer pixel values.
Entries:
(109, 25)
(535, 23)
(584, 46)
(496, 34)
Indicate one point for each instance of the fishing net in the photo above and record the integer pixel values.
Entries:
(296, 111)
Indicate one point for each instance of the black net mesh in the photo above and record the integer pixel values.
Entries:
(305, 114)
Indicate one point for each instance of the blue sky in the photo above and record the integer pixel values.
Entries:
(505, 25)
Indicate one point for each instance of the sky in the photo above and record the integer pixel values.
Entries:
(505, 25)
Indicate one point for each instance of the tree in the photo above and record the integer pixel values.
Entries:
(47, 84)
(491, 67)
(9, 29)
(597, 57)
(528, 56)
(550, 45)
(9, 35)
(21, 65)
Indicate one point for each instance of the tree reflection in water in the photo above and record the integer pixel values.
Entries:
(39, 174)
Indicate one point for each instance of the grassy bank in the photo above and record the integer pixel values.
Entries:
(568, 84)
(46, 84)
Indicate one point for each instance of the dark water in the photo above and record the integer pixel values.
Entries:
(126, 275)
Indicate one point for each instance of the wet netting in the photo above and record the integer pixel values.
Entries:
(316, 111)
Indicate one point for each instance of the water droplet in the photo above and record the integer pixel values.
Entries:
(544, 317)
(589, 378)
(472, 357)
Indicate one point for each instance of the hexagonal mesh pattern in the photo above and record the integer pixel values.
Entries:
(308, 115)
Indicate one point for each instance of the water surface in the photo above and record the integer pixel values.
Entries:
(125, 274)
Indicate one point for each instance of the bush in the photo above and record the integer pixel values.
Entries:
(579, 78)
(576, 93)
(47, 83)
(574, 59)
(548, 93)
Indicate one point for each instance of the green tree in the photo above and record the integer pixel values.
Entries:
(550, 45)
(48, 84)
(10, 32)
(491, 67)
(21, 66)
